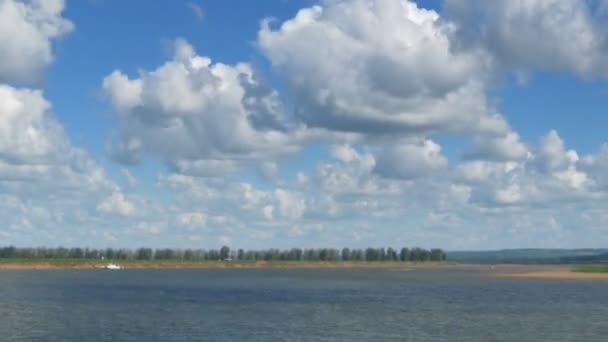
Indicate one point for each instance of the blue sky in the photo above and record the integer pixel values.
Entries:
(137, 39)
(338, 123)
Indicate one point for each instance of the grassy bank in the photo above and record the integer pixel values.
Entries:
(592, 269)
(168, 264)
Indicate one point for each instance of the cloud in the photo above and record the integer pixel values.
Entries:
(124, 93)
(27, 29)
(376, 84)
(52, 192)
(190, 109)
(501, 148)
(409, 159)
(33, 146)
(192, 219)
(597, 165)
(206, 167)
(268, 212)
(561, 35)
(269, 171)
(481, 204)
(574, 178)
(25, 132)
(378, 67)
(116, 203)
(551, 154)
(549, 174)
(126, 152)
(349, 174)
(345, 153)
(128, 176)
(197, 10)
(289, 204)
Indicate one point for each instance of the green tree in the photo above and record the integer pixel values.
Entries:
(346, 255)
(144, 254)
(404, 255)
(391, 254)
(224, 252)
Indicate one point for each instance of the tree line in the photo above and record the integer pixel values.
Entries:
(225, 253)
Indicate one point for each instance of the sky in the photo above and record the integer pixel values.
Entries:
(460, 124)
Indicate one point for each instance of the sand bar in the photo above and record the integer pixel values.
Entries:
(558, 272)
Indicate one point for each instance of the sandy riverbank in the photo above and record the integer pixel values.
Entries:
(158, 264)
(557, 272)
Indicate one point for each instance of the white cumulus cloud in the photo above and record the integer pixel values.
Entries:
(561, 35)
(410, 158)
(377, 66)
(27, 29)
(117, 203)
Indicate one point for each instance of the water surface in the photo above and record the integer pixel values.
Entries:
(297, 304)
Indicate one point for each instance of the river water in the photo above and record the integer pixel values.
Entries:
(436, 304)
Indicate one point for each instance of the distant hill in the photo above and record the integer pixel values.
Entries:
(532, 255)
(599, 258)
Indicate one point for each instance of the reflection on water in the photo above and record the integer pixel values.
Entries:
(298, 304)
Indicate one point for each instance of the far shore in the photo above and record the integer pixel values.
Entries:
(548, 272)
(8, 264)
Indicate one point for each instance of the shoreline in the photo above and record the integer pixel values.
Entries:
(544, 272)
(514, 271)
(172, 264)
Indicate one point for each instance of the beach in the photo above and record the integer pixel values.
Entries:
(557, 272)
(8, 264)
(548, 272)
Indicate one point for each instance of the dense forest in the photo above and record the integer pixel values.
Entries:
(226, 254)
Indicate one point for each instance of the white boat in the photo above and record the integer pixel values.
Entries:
(112, 267)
